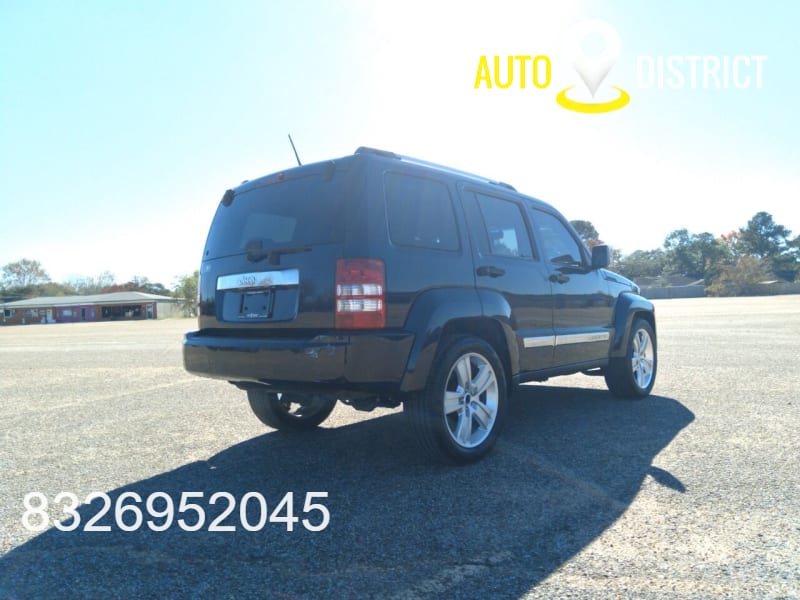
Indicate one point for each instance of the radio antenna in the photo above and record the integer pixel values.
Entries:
(295, 151)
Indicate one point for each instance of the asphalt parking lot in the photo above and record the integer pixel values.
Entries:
(693, 492)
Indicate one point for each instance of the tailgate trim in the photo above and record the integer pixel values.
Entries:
(263, 279)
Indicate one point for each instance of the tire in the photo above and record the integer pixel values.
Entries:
(459, 415)
(290, 411)
(634, 375)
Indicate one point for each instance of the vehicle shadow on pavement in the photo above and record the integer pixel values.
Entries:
(568, 465)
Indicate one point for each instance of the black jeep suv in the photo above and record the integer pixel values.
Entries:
(377, 279)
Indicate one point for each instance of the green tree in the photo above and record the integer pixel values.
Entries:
(762, 237)
(186, 290)
(734, 279)
(680, 257)
(52, 288)
(24, 273)
(139, 283)
(694, 255)
(586, 230)
(713, 255)
(732, 246)
(643, 263)
(765, 239)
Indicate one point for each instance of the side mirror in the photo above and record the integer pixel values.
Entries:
(601, 256)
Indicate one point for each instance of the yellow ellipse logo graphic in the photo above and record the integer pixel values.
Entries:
(593, 107)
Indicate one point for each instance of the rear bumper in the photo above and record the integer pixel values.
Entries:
(354, 361)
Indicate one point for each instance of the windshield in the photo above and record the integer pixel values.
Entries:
(288, 214)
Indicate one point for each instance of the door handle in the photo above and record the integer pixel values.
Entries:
(489, 271)
(559, 278)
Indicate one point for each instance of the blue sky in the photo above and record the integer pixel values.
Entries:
(121, 124)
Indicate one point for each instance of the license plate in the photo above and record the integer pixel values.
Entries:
(256, 305)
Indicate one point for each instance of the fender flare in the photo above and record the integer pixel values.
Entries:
(627, 308)
(431, 314)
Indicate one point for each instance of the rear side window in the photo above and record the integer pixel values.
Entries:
(420, 213)
(297, 212)
(505, 227)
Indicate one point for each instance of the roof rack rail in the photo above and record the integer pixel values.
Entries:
(368, 150)
(504, 184)
(417, 161)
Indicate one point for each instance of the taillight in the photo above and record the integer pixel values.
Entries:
(360, 293)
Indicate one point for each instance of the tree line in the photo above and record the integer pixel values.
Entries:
(762, 250)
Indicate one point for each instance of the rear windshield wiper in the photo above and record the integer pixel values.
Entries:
(255, 253)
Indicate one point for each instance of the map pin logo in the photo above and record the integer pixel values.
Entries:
(593, 69)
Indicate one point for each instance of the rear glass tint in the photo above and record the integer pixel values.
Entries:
(296, 212)
(420, 213)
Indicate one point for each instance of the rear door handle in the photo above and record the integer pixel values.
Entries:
(491, 271)
(559, 278)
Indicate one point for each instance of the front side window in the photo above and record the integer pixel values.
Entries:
(420, 213)
(505, 227)
(558, 245)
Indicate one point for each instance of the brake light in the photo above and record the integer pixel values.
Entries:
(360, 293)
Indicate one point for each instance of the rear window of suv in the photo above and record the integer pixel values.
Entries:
(303, 211)
(420, 212)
